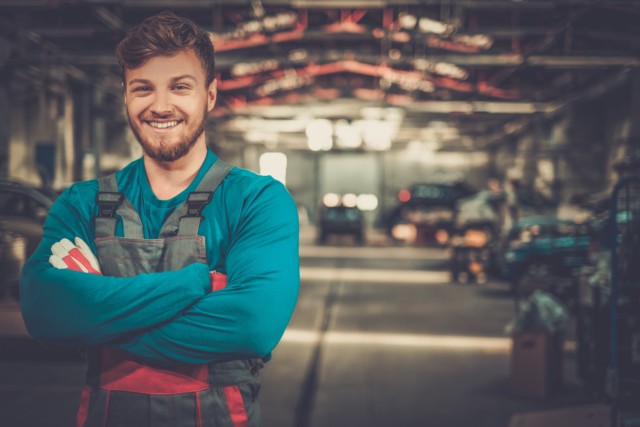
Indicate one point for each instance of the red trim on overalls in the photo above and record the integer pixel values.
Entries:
(83, 409)
(119, 372)
(198, 411)
(235, 403)
(106, 408)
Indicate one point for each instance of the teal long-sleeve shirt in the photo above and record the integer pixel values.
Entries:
(251, 233)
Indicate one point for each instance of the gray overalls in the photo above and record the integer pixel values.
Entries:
(125, 391)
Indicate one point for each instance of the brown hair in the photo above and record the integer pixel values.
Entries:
(165, 34)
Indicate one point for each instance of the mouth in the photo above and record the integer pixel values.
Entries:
(162, 125)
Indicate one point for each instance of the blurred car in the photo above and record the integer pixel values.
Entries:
(544, 252)
(429, 209)
(23, 209)
(341, 220)
(13, 254)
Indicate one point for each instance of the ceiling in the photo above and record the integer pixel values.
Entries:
(462, 73)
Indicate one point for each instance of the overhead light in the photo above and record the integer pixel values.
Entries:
(319, 135)
(377, 135)
(242, 69)
(395, 54)
(272, 23)
(290, 81)
(406, 80)
(279, 21)
(347, 136)
(407, 21)
(427, 25)
(441, 68)
(298, 55)
(254, 136)
(275, 165)
(481, 41)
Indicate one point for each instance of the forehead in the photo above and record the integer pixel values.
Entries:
(160, 69)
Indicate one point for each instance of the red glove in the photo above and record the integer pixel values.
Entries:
(78, 257)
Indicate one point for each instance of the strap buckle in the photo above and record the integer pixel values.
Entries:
(196, 202)
(108, 202)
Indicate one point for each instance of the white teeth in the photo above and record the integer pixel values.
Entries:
(163, 125)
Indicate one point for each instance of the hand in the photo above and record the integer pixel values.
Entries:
(218, 281)
(78, 257)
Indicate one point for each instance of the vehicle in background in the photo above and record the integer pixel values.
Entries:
(341, 220)
(544, 252)
(340, 215)
(476, 233)
(471, 252)
(13, 254)
(23, 209)
(425, 212)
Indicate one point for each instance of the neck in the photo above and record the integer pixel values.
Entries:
(168, 179)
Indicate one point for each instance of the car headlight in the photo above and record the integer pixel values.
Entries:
(475, 238)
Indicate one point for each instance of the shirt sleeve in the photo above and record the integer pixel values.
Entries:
(249, 316)
(80, 309)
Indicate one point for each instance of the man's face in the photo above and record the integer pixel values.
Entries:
(167, 104)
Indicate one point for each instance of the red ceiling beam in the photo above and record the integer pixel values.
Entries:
(378, 71)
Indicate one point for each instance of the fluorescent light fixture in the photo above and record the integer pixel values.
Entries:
(481, 41)
(319, 135)
(274, 164)
(347, 136)
(242, 69)
(298, 55)
(427, 25)
(407, 21)
(377, 135)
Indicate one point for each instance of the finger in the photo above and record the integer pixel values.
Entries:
(58, 249)
(66, 244)
(88, 254)
(82, 261)
(72, 264)
(57, 262)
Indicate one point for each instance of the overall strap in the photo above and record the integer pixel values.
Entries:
(110, 201)
(188, 215)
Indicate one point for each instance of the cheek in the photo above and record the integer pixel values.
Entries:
(134, 108)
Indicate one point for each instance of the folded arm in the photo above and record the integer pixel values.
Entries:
(249, 316)
(78, 309)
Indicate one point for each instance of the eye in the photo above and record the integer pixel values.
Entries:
(181, 86)
(141, 89)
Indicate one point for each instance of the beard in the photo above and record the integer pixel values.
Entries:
(164, 150)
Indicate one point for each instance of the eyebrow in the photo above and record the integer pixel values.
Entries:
(173, 79)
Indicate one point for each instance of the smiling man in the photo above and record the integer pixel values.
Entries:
(179, 273)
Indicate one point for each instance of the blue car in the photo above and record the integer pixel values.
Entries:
(544, 252)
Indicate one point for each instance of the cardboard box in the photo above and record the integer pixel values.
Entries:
(536, 364)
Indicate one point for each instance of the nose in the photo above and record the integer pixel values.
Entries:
(161, 104)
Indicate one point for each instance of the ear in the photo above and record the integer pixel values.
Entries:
(124, 92)
(212, 95)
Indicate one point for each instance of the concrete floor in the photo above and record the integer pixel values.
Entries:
(379, 338)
